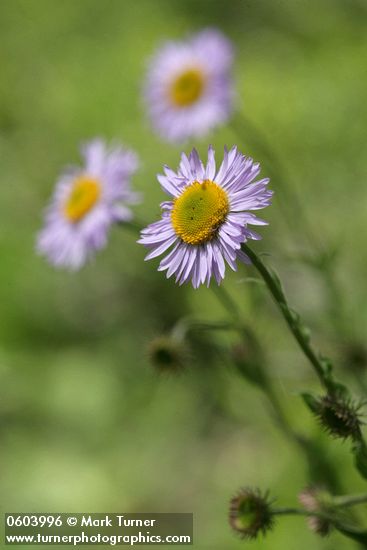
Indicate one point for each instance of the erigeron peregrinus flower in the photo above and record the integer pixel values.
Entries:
(188, 89)
(86, 202)
(208, 216)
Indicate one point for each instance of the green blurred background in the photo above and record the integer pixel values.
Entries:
(86, 423)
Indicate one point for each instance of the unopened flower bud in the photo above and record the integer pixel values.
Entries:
(339, 416)
(167, 354)
(314, 499)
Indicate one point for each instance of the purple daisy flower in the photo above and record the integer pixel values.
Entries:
(208, 217)
(189, 87)
(86, 202)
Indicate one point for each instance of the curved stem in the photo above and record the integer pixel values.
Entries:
(291, 319)
(322, 366)
(317, 466)
(351, 531)
(295, 216)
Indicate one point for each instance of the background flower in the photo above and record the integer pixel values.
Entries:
(86, 202)
(188, 89)
(208, 218)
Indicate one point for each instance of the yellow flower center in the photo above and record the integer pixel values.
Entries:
(199, 212)
(187, 88)
(83, 196)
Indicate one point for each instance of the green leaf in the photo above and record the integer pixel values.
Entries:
(311, 401)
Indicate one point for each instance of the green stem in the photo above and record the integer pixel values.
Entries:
(289, 316)
(322, 367)
(314, 460)
(349, 500)
(336, 501)
(186, 324)
(351, 531)
(290, 202)
(289, 511)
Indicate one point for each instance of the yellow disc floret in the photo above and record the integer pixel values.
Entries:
(187, 87)
(199, 212)
(84, 194)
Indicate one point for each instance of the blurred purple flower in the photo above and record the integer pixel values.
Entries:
(189, 89)
(86, 202)
(207, 219)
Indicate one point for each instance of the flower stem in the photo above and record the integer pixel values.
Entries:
(351, 531)
(349, 500)
(335, 501)
(295, 216)
(319, 468)
(289, 511)
(292, 319)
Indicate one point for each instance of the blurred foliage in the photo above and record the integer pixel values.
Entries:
(85, 422)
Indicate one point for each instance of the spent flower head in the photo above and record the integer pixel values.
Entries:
(250, 513)
(207, 217)
(188, 89)
(86, 202)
